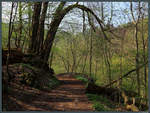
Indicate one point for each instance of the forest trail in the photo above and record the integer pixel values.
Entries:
(69, 96)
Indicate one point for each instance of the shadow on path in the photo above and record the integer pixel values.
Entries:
(70, 96)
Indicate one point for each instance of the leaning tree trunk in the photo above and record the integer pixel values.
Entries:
(58, 16)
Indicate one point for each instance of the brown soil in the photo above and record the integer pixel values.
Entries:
(69, 96)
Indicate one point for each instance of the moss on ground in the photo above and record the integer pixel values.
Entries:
(81, 78)
(101, 103)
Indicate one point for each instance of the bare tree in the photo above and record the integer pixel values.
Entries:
(9, 37)
(137, 44)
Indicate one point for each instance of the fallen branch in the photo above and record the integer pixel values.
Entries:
(125, 75)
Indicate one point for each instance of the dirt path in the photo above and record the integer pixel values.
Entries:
(70, 96)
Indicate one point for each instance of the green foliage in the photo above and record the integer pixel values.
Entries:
(4, 34)
(56, 49)
(99, 107)
(5, 28)
(58, 67)
(53, 82)
(100, 103)
(84, 80)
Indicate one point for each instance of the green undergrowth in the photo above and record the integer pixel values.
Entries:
(101, 103)
(54, 82)
(81, 78)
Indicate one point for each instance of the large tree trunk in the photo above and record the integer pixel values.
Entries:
(49, 40)
(35, 24)
(40, 34)
(58, 16)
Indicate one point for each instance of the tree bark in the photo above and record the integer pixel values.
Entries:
(58, 16)
(20, 25)
(11, 26)
(144, 57)
(91, 48)
(29, 20)
(35, 24)
(40, 33)
(137, 45)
